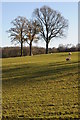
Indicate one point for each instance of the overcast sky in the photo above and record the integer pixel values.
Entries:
(68, 9)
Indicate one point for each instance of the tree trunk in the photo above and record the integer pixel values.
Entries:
(46, 47)
(21, 44)
(47, 39)
(21, 48)
(30, 48)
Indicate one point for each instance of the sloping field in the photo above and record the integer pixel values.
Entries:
(42, 86)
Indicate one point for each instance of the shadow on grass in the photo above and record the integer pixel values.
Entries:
(45, 73)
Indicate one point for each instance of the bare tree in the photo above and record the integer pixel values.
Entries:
(17, 32)
(32, 33)
(51, 22)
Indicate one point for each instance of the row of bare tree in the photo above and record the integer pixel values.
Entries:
(46, 25)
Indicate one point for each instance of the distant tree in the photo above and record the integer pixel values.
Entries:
(32, 33)
(17, 32)
(54, 50)
(51, 22)
(73, 48)
(61, 48)
(78, 46)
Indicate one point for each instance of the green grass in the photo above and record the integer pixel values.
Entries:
(42, 86)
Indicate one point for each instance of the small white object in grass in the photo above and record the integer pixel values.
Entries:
(70, 53)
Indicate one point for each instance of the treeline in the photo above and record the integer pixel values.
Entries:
(15, 51)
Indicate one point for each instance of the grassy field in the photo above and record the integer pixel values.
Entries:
(42, 86)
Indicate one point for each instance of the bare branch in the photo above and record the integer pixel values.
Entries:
(51, 22)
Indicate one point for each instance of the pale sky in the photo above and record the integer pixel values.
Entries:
(69, 10)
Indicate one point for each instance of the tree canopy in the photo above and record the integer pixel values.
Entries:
(51, 22)
(17, 32)
(46, 25)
